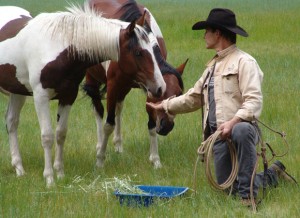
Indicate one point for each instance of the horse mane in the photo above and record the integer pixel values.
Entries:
(88, 34)
(131, 11)
(154, 25)
(165, 67)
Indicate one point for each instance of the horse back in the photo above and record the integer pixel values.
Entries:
(129, 10)
(12, 20)
(12, 28)
(9, 13)
(109, 8)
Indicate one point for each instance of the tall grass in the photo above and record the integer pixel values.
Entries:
(274, 31)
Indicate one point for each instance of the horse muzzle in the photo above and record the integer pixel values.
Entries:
(165, 126)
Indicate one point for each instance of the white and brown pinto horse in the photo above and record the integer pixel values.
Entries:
(46, 57)
(117, 84)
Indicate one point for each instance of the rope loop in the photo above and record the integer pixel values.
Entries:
(206, 150)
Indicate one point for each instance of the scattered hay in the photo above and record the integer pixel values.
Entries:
(100, 186)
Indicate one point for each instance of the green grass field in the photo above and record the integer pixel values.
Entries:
(273, 26)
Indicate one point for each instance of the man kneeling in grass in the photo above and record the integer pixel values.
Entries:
(230, 93)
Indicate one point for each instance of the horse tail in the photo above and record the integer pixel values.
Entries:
(95, 92)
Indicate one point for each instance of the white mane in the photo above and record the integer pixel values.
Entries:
(84, 29)
(154, 26)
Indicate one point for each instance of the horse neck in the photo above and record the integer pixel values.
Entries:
(95, 38)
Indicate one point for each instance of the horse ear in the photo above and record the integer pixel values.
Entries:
(130, 28)
(180, 69)
(141, 20)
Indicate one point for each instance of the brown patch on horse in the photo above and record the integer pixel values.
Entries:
(9, 81)
(64, 74)
(98, 73)
(13, 27)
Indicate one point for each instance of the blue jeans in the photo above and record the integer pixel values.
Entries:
(245, 137)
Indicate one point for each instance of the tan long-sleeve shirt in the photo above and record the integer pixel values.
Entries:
(237, 89)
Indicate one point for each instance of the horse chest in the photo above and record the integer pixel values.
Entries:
(63, 73)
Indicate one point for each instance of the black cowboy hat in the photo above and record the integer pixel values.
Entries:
(221, 18)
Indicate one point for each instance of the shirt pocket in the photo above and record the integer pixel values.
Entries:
(230, 82)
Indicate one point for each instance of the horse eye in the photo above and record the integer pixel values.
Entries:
(138, 53)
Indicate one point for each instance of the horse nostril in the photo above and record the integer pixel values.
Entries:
(159, 92)
(165, 127)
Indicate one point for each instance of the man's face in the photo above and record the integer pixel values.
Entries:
(211, 38)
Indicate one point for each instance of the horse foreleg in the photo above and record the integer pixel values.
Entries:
(100, 133)
(43, 112)
(61, 132)
(101, 150)
(117, 140)
(15, 105)
(99, 121)
(107, 131)
(154, 156)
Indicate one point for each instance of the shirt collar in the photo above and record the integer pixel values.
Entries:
(221, 54)
(226, 51)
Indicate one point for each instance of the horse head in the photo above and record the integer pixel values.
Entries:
(172, 76)
(137, 59)
(164, 124)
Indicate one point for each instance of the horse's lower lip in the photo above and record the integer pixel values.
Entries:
(164, 127)
(156, 96)
(163, 132)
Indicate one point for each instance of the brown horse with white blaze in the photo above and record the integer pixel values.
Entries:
(117, 84)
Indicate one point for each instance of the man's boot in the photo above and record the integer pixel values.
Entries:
(279, 168)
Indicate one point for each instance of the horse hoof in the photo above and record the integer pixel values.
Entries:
(155, 160)
(157, 165)
(99, 164)
(20, 171)
(118, 149)
(50, 182)
(60, 175)
(59, 170)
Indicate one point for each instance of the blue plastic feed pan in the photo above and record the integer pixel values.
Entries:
(148, 194)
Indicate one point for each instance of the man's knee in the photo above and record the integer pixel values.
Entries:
(243, 131)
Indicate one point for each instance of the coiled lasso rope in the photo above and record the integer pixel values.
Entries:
(206, 151)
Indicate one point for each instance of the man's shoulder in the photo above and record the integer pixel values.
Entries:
(242, 55)
(239, 57)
